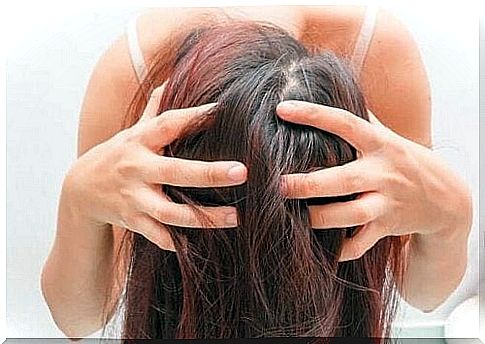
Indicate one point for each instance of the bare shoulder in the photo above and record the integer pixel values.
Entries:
(393, 76)
(155, 26)
(113, 82)
(395, 81)
(111, 86)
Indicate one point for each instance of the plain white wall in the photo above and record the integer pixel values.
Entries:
(448, 40)
(47, 73)
(46, 79)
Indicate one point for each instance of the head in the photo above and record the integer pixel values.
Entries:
(272, 275)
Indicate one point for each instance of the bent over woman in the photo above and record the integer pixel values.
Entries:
(252, 197)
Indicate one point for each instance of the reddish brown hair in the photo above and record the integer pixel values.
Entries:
(273, 275)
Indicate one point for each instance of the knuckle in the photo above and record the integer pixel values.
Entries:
(348, 128)
(168, 130)
(359, 249)
(351, 182)
(133, 134)
(126, 194)
(383, 228)
(363, 214)
(126, 168)
(399, 151)
(175, 216)
(391, 180)
(162, 119)
(348, 123)
(161, 214)
(210, 175)
(287, 185)
(129, 221)
(376, 141)
(309, 185)
(169, 171)
(184, 218)
(321, 220)
(163, 170)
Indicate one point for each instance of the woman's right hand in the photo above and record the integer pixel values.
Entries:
(118, 182)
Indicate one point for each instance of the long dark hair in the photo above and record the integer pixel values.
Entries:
(273, 275)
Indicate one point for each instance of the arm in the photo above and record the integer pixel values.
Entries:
(115, 184)
(79, 268)
(397, 91)
(437, 262)
(400, 97)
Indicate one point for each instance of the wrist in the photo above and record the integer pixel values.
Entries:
(457, 227)
(74, 201)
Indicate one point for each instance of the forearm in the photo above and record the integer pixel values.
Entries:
(78, 270)
(437, 262)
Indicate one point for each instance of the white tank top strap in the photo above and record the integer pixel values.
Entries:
(358, 55)
(136, 54)
(364, 38)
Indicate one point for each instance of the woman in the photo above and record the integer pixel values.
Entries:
(273, 274)
(416, 195)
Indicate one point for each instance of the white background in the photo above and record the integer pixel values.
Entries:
(50, 54)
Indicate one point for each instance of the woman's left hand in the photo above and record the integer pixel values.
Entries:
(404, 188)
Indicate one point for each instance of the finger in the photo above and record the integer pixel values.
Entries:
(183, 215)
(366, 208)
(356, 246)
(169, 125)
(353, 129)
(153, 103)
(194, 173)
(350, 178)
(153, 231)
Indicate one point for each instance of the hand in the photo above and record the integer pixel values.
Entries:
(118, 181)
(404, 187)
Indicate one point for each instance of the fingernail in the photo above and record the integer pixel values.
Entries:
(237, 173)
(288, 105)
(160, 88)
(231, 219)
(208, 106)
